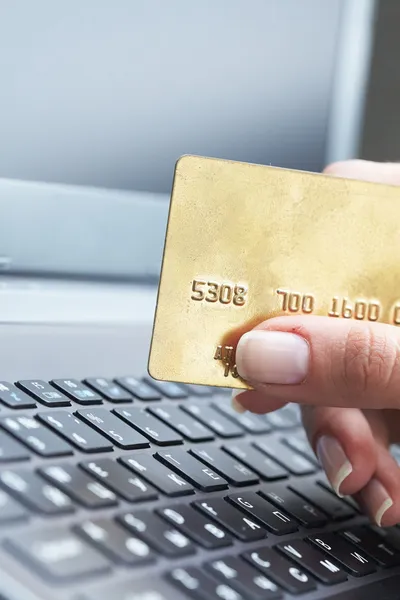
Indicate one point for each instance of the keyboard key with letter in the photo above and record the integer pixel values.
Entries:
(307, 514)
(149, 426)
(79, 486)
(138, 388)
(354, 561)
(115, 542)
(36, 436)
(12, 397)
(263, 512)
(263, 465)
(193, 470)
(323, 569)
(196, 526)
(108, 389)
(214, 420)
(155, 473)
(244, 578)
(279, 569)
(229, 468)
(35, 492)
(241, 526)
(43, 391)
(77, 391)
(158, 533)
(189, 428)
(120, 480)
(121, 434)
(75, 431)
(197, 584)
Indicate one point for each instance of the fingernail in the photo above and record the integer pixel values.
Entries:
(334, 461)
(376, 500)
(272, 357)
(239, 408)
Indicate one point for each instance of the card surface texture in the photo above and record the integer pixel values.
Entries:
(247, 242)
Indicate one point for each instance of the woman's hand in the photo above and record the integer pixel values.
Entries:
(346, 376)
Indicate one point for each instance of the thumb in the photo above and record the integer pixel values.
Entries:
(322, 361)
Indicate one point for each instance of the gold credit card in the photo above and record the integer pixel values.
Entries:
(247, 242)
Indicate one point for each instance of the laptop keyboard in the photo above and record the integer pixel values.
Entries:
(128, 488)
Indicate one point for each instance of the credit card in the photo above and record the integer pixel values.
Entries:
(246, 242)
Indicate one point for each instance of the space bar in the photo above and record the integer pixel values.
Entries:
(387, 589)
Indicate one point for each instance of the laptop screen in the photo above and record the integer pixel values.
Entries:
(109, 97)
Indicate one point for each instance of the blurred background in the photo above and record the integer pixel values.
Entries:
(110, 92)
(107, 94)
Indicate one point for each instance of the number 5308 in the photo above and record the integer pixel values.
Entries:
(225, 293)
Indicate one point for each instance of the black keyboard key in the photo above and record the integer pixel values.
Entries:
(138, 388)
(354, 561)
(57, 553)
(108, 389)
(189, 428)
(11, 450)
(149, 426)
(270, 563)
(162, 478)
(211, 418)
(120, 480)
(388, 535)
(36, 436)
(115, 541)
(335, 508)
(74, 431)
(12, 397)
(251, 423)
(298, 442)
(229, 468)
(167, 388)
(77, 391)
(307, 514)
(196, 526)
(10, 509)
(295, 463)
(158, 533)
(372, 544)
(240, 525)
(261, 464)
(193, 470)
(44, 392)
(33, 491)
(263, 512)
(243, 578)
(79, 486)
(196, 584)
(109, 425)
(284, 418)
(314, 561)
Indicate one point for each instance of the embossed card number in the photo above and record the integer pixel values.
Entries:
(224, 293)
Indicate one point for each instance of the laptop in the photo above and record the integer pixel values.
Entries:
(114, 485)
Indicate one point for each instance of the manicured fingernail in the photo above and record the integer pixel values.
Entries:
(376, 500)
(235, 402)
(272, 357)
(334, 461)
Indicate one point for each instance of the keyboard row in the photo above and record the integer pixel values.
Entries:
(137, 538)
(56, 432)
(59, 392)
(142, 477)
